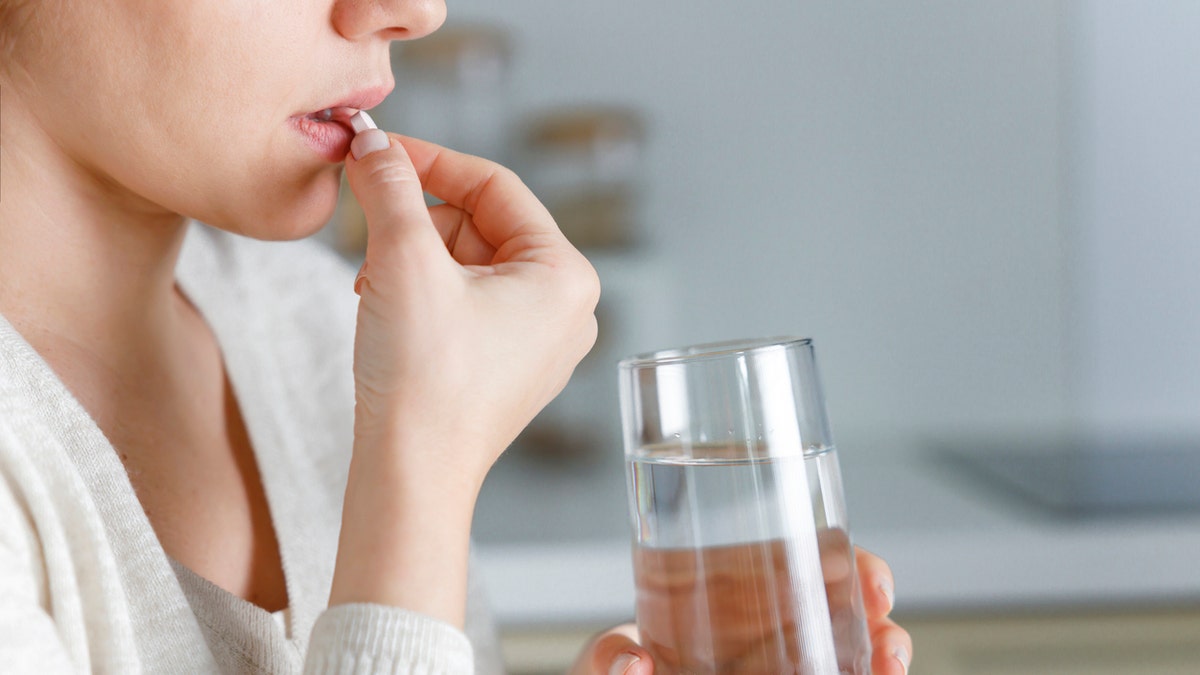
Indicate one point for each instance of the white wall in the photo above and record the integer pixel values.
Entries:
(882, 176)
(1135, 213)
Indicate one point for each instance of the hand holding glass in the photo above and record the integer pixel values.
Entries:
(742, 554)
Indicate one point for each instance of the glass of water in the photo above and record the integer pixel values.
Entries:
(742, 555)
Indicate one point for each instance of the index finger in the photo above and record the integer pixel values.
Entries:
(500, 204)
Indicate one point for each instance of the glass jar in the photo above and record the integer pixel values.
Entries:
(584, 163)
(452, 89)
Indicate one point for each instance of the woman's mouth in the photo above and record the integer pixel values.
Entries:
(327, 131)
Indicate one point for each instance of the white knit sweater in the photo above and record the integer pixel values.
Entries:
(85, 585)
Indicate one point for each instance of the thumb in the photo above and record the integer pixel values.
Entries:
(388, 188)
(615, 652)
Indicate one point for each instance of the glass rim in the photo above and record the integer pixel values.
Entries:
(711, 351)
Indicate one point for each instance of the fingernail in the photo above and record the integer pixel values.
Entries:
(889, 592)
(902, 656)
(623, 663)
(371, 140)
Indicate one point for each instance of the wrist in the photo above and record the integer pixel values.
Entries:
(406, 527)
(419, 456)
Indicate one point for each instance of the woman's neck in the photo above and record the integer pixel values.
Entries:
(81, 258)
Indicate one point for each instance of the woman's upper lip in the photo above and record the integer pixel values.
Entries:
(362, 99)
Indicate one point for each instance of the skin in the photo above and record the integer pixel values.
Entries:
(122, 118)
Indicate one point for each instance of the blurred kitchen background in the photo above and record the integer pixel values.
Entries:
(986, 214)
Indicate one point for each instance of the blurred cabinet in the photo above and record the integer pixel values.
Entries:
(1125, 643)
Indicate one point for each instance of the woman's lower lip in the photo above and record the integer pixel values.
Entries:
(331, 140)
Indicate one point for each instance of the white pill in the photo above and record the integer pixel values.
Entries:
(361, 121)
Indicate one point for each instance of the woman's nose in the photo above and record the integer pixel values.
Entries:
(390, 19)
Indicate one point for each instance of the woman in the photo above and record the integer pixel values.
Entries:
(215, 457)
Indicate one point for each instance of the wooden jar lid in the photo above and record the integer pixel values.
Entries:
(445, 49)
(585, 126)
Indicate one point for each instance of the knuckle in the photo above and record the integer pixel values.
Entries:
(582, 286)
(390, 172)
(590, 333)
(500, 174)
(494, 176)
(505, 174)
(592, 287)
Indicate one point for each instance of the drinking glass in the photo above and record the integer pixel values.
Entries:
(741, 548)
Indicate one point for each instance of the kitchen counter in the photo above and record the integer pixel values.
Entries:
(956, 545)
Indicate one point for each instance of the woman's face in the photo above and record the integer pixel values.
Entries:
(208, 108)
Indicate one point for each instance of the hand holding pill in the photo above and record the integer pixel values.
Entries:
(474, 312)
(472, 315)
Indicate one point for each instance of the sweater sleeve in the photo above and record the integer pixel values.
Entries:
(46, 624)
(29, 639)
(480, 626)
(30, 643)
(357, 639)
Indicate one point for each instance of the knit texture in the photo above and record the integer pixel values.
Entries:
(385, 640)
(85, 585)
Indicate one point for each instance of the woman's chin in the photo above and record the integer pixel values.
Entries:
(301, 216)
(287, 229)
(280, 208)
